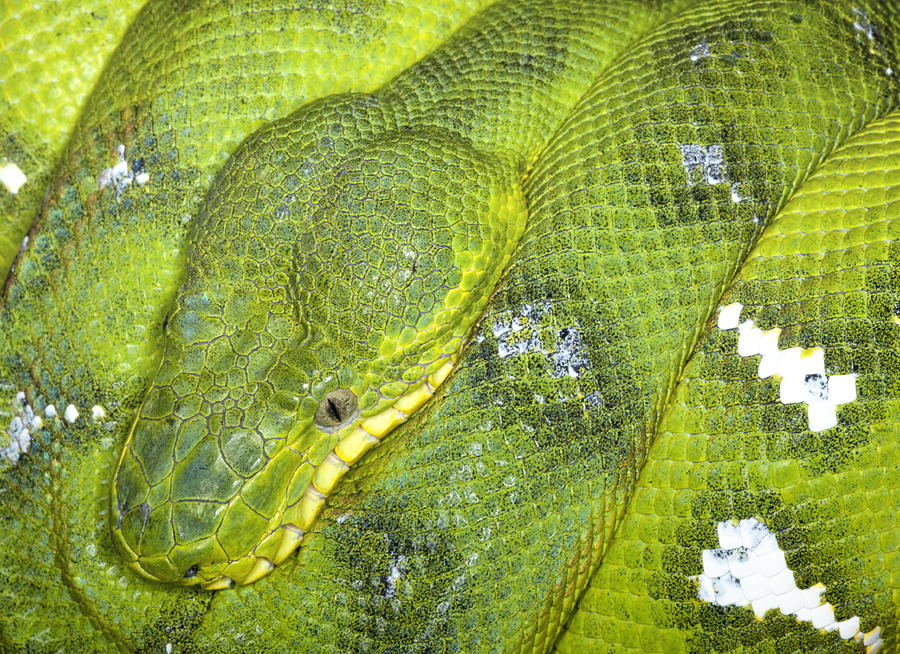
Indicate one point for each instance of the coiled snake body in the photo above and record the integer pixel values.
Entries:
(612, 287)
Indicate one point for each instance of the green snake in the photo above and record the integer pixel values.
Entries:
(450, 326)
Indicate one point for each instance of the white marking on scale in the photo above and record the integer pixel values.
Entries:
(570, 357)
(21, 427)
(97, 413)
(872, 641)
(708, 159)
(749, 569)
(395, 575)
(50, 411)
(119, 175)
(863, 26)
(730, 315)
(701, 51)
(71, 414)
(12, 177)
(802, 372)
(19, 440)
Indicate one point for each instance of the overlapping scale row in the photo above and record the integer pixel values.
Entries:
(81, 319)
(732, 447)
(477, 525)
(642, 208)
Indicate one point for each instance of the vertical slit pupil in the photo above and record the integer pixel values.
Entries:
(334, 410)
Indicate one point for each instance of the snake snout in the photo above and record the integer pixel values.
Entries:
(302, 337)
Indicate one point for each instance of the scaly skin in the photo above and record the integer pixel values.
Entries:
(670, 162)
(227, 464)
(51, 54)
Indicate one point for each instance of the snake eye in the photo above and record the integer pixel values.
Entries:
(191, 572)
(336, 408)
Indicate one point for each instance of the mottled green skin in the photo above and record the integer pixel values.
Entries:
(826, 273)
(478, 524)
(339, 249)
(51, 55)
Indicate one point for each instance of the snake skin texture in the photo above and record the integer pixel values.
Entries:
(657, 243)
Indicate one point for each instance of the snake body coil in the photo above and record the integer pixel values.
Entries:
(612, 287)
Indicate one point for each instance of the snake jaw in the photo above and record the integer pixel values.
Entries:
(260, 569)
(351, 448)
(299, 518)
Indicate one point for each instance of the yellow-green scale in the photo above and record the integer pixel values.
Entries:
(354, 241)
(81, 319)
(477, 525)
(729, 449)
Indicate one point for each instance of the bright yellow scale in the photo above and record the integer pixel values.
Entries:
(299, 518)
(508, 225)
(315, 319)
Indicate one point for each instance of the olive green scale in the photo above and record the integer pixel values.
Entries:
(616, 173)
(342, 247)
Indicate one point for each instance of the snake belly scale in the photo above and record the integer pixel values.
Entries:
(498, 256)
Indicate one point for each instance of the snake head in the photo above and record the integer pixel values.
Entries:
(323, 306)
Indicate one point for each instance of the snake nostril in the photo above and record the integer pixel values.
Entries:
(336, 408)
(192, 571)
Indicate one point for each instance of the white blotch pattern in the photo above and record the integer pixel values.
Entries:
(120, 176)
(12, 177)
(802, 372)
(24, 421)
(507, 332)
(701, 51)
(708, 159)
(71, 414)
(749, 569)
(519, 334)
